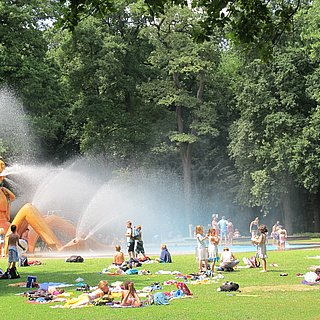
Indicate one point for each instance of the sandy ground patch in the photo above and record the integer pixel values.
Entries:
(288, 287)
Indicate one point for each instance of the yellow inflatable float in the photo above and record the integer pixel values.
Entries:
(39, 226)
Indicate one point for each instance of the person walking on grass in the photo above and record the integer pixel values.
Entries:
(261, 247)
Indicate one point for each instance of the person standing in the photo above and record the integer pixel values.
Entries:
(213, 247)
(282, 233)
(230, 232)
(130, 239)
(139, 246)
(202, 248)
(274, 233)
(223, 229)
(2, 234)
(254, 225)
(25, 235)
(13, 243)
(214, 223)
(261, 248)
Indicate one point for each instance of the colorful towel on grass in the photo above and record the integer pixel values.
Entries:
(42, 301)
(309, 283)
(120, 306)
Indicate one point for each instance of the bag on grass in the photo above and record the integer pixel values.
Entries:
(4, 275)
(253, 262)
(75, 259)
(183, 287)
(14, 274)
(160, 298)
(229, 286)
(23, 261)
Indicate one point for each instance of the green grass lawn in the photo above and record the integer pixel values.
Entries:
(263, 295)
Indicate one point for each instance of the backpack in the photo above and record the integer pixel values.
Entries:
(183, 287)
(44, 295)
(160, 298)
(4, 274)
(13, 273)
(135, 233)
(134, 263)
(229, 286)
(75, 259)
(253, 262)
(23, 261)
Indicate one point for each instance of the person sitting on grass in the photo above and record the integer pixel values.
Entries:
(86, 298)
(165, 256)
(228, 260)
(129, 295)
(118, 258)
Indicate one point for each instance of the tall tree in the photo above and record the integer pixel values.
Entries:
(274, 108)
(185, 67)
(105, 64)
(254, 22)
(26, 68)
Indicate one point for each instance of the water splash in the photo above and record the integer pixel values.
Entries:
(14, 128)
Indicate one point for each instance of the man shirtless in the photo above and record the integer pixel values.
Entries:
(13, 243)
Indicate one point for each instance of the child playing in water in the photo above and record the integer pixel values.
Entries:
(118, 258)
(282, 238)
(261, 248)
(213, 247)
(129, 295)
(86, 298)
(202, 248)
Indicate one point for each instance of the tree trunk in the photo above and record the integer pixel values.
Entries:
(186, 151)
(287, 213)
(315, 211)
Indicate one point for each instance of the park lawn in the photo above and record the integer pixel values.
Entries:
(263, 295)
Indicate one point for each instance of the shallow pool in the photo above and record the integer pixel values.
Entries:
(190, 249)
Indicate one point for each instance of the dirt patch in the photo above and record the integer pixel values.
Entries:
(288, 287)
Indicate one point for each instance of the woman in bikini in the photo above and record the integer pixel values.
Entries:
(129, 295)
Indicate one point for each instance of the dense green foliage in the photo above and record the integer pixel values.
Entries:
(132, 86)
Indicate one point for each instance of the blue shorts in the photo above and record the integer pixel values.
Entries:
(223, 233)
(13, 255)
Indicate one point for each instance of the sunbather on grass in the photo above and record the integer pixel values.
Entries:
(129, 295)
(86, 298)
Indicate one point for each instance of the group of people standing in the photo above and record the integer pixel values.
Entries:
(279, 236)
(207, 251)
(224, 230)
(134, 240)
(278, 233)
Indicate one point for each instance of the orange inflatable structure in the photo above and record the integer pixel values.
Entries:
(40, 226)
